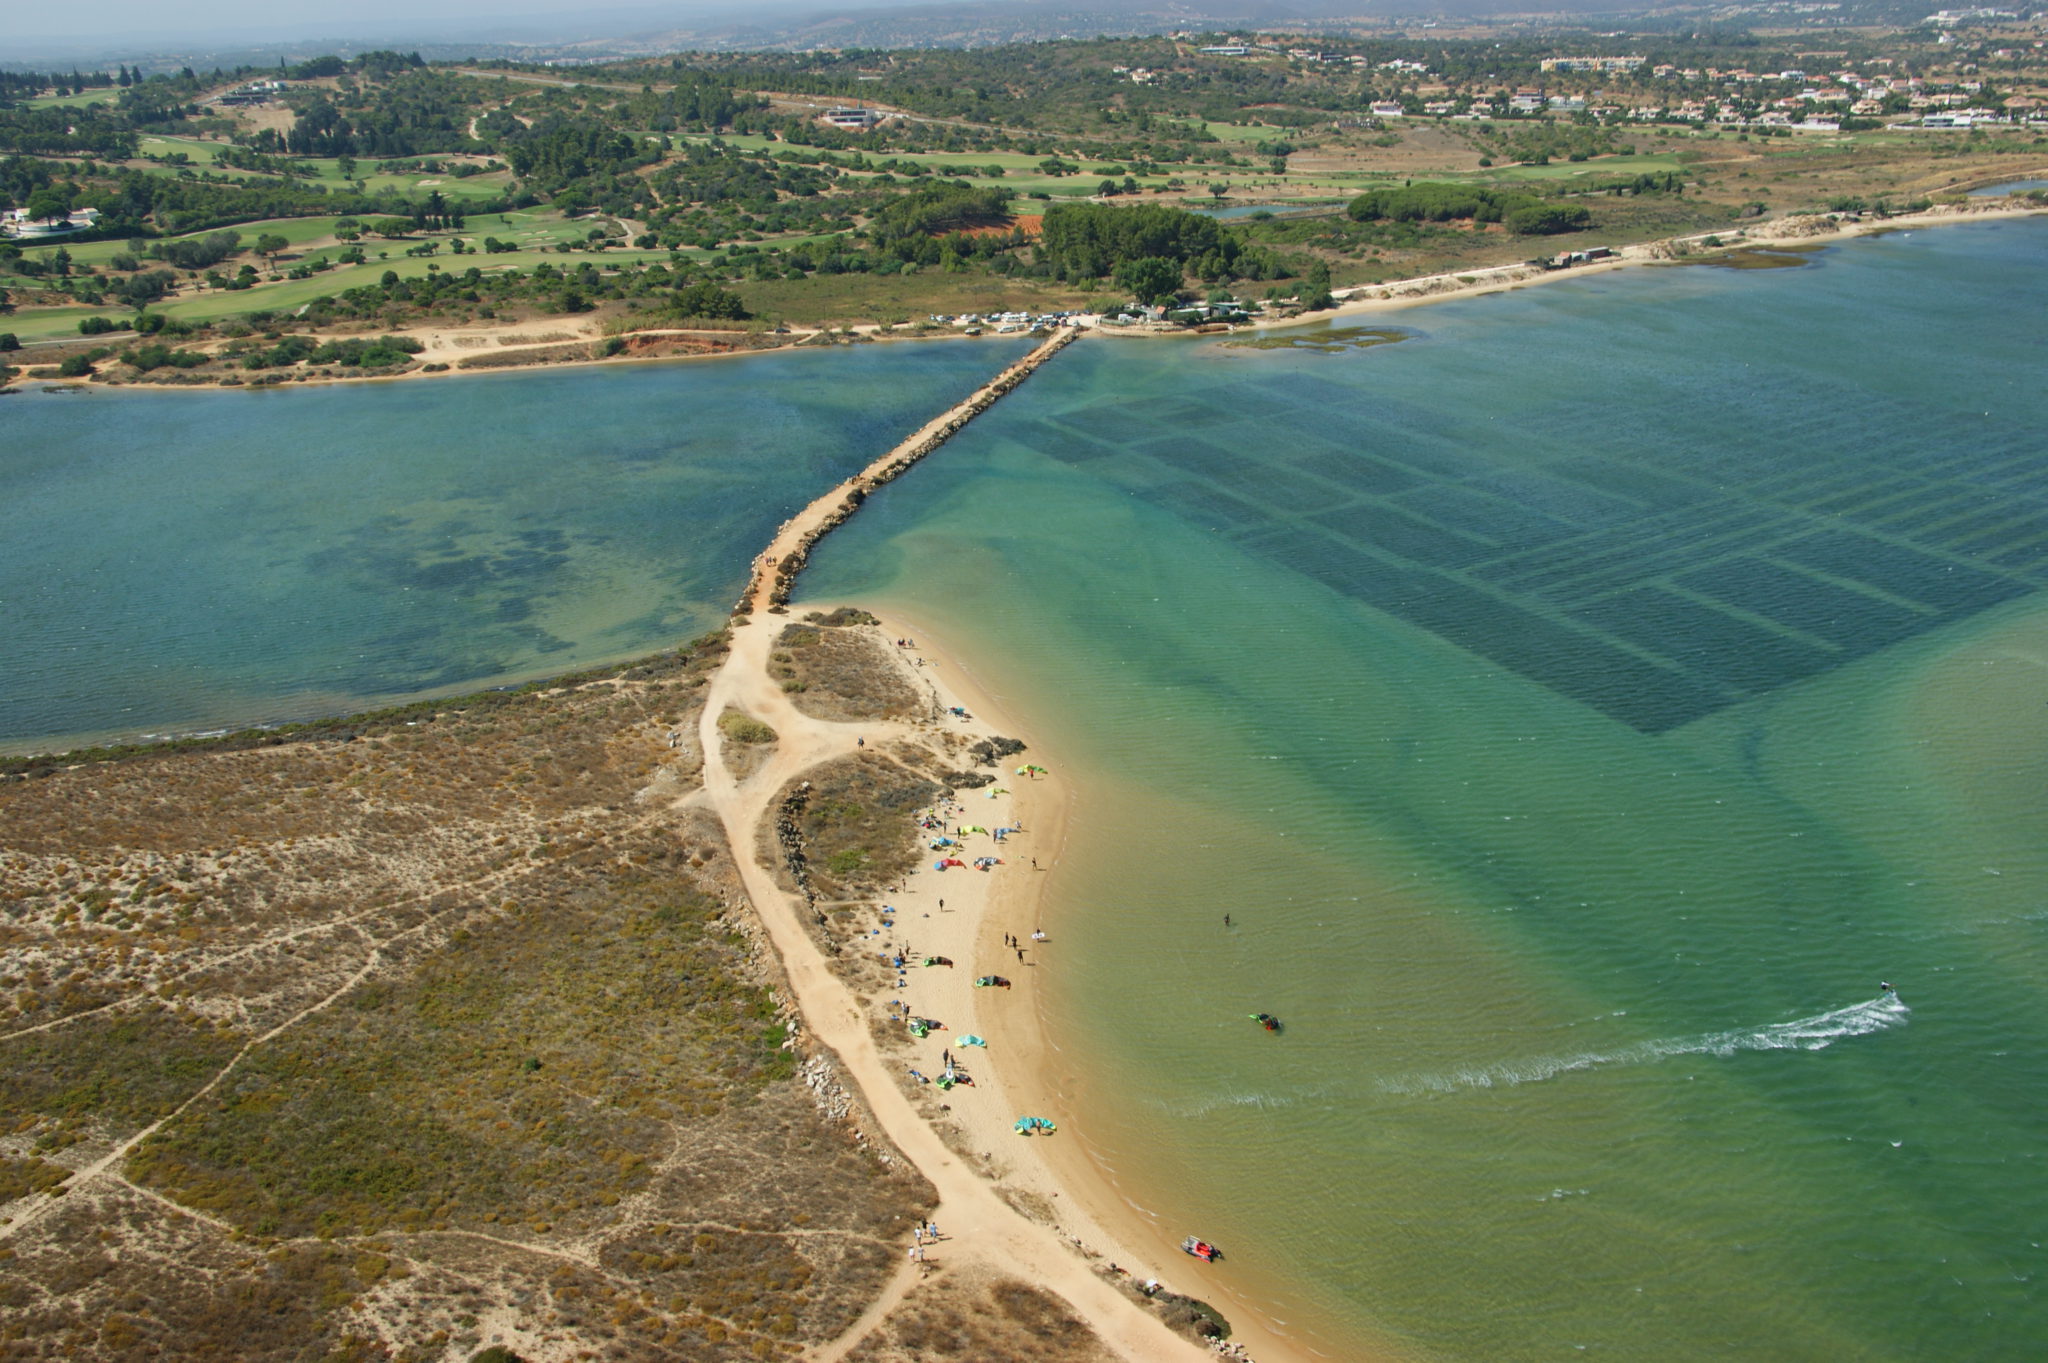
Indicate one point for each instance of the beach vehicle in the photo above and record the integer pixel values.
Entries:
(1267, 1021)
(1201, 1249)
(991, 982)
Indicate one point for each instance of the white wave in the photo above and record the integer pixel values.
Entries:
(1803, 1034)
(1203, 1105)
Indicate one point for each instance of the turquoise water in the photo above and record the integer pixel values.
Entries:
(175, 561)
(1999, 191)
(1579, 708)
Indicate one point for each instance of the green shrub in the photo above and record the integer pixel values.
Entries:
(744, 728)
(158, 356)
(356, 353)
(1542, 220)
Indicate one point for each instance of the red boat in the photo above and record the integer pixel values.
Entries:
(1201, 1249)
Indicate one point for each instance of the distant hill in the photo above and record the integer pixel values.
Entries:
(639, 30)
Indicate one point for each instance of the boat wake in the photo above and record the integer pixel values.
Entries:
(1818, 1032)
(1205, 1105)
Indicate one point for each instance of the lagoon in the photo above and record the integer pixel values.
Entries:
(1579, 707)
(181, 561)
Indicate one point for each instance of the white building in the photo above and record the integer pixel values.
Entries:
(854, 120)
(15, 223)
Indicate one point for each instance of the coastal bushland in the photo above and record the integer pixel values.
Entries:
(852, 828)
(483, 1028)
(839, 673)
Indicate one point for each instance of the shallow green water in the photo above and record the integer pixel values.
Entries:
(1579, 708)
(172, 561)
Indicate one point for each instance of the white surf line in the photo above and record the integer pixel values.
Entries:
(1815, 1033)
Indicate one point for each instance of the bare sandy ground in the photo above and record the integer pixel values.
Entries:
(980, 1226)
(977, 1223)
(1023, 1072)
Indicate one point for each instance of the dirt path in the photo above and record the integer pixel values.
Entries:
(978, 1223)
(113, 1159)
(979, 1226)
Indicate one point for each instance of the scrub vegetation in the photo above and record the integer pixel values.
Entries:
(402, 1027)
(235, 228)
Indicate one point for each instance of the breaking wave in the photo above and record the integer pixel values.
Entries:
(1818, 1032)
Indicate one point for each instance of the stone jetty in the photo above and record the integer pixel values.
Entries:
(776, 569)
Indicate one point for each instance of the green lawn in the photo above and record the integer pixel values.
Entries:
(1231, 132)
(455, 188)
(50, 324)
(291, 293)
(201, 151)
(75, 101)
(488, 185)
(297, 231)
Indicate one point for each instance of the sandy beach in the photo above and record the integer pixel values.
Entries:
(1001, 1208)
(1000, 1187)
(1022, 1072)
(1815, 230)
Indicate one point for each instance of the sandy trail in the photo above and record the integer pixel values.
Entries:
(975, 1220)
(978, 1225)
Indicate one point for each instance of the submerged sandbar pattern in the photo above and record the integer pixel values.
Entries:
(1657, 560)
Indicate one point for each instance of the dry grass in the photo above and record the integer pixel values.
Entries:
(856, 826)
(455, 1032)
(981, 1321)
(842, 670)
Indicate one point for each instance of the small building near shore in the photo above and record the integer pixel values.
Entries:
(853, 119)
